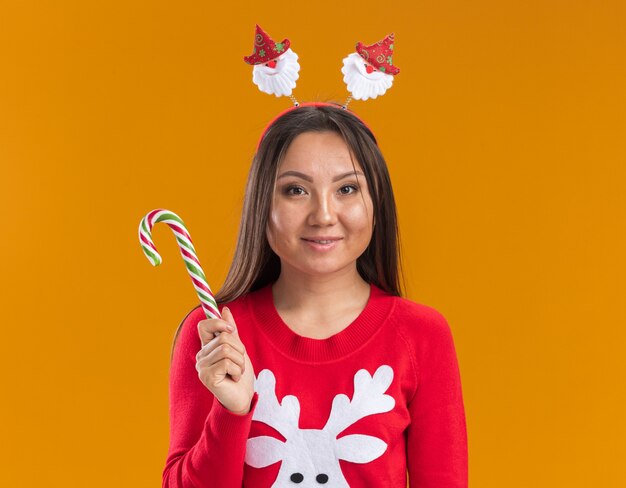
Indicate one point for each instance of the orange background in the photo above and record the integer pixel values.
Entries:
(505, 137)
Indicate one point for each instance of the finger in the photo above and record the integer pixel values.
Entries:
(220, 369)
(222, 351)
(209, 327)
(230, 339)
(228, 316)
(234, 370)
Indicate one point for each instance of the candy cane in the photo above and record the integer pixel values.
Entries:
(209, 305)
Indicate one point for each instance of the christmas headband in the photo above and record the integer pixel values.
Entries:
(368, 72)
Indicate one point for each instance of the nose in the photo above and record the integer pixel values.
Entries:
(323, 211)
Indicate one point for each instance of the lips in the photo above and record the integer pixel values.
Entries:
(322, 239)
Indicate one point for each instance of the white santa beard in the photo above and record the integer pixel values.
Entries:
(361, 84)
(280, 80)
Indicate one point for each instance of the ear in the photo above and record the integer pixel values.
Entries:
(263, 451)
(357, 448)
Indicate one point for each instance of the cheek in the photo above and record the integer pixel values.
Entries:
(279, 224)
(360, 217)
(270, 230)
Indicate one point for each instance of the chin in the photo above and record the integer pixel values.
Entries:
(322, 269)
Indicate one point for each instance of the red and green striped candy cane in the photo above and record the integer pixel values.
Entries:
(209, 305)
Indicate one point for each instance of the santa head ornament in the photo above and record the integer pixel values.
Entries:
(275, 65)
(368, 72)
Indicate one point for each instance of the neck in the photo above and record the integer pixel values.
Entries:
(320, 295)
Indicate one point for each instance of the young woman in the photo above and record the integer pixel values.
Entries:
(321, 374)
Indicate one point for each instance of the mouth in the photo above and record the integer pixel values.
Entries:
(322, 240)
(322, 245)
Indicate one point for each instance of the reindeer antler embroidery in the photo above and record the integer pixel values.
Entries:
(283, 417)
(311, 456)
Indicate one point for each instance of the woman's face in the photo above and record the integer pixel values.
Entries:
(317, 197)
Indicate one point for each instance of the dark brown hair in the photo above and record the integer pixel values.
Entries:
(254, 264)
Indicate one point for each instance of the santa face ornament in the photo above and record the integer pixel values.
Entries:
(364, 80)
(276, 66)
(369, 71)
(277, 77)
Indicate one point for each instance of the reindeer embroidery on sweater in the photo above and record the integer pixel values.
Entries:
(310, 457)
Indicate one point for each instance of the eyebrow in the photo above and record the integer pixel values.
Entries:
(308, 178)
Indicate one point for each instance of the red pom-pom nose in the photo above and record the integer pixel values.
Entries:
(369, 68)
(271, 64)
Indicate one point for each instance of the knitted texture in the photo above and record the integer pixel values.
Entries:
(366, 407)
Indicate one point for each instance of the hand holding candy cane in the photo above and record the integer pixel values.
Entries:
(222, 361)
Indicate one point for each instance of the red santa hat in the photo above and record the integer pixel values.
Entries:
(379, 55)
(265, 49)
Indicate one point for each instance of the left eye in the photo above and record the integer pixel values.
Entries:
(348, 188)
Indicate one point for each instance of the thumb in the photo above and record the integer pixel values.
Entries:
(228, 317)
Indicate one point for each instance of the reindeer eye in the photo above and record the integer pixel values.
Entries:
(297, 478)
(321, 478)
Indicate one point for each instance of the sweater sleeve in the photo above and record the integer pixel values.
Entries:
(207, 441)
(437, 435)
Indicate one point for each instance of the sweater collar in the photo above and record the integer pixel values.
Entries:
(307, 349)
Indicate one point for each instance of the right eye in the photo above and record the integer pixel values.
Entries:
(294, 190)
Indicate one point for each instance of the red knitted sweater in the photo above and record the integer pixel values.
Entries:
(376, 402)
